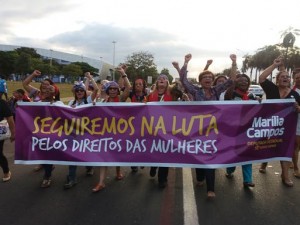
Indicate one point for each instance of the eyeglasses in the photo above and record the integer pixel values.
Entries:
(207, 77)
(113, 88)
(79, 90)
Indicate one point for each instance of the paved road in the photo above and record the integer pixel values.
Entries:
(137, 200)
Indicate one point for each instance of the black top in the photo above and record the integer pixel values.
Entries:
(4, 110)
(272, 91)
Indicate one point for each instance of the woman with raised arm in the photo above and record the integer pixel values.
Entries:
(207, 92)
(81, 97)
(114, 94)
(280, 90)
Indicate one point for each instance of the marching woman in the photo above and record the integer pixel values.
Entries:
(161, 93)
(239, 92)
(280, 90)
(207, 92)
(114, 94)
(80, 98)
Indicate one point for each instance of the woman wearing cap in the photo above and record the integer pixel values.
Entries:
(114, 94)
(80, 98)
(161, 93)
(280, 90)
(207, 92)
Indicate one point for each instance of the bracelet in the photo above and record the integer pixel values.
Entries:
(125, 75)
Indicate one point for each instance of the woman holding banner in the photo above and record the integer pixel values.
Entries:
(238, 92)
(207, 92)
(161, 93)
(280, 90)
(296, 78)
(80, 98)
(114, 94)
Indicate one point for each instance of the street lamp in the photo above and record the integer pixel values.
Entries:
(114, 54)
(100, 68)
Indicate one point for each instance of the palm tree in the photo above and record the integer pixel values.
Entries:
(289, 38)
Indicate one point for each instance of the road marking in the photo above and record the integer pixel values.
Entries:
(189, 201)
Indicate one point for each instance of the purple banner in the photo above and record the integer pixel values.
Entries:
(175, 134)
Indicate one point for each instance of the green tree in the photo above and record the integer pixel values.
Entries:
(30, 51)
(23, 64)
(72, 71)
(85, 67)
(7, 62)
(141, 65)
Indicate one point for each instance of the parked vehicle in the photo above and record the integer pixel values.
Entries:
(257, 90)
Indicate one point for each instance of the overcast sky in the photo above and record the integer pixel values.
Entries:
(211, 29)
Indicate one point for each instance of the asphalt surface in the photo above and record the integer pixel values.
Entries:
(137, 200)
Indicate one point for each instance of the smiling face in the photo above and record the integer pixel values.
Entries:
(79, 93)
(162, 82)
(242, 83)
(47, 93)
(283, 79)
(138, 86)
(113, 91)
(206, 80)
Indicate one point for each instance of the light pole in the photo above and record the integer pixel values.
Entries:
(50, 70)
(114, 54)
(100, 68)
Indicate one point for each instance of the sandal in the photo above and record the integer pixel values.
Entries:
(288, 183)
(120, 176)
(297, 174)
(211, 194)
(98, 188)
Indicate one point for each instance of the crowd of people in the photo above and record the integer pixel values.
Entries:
(210, 88)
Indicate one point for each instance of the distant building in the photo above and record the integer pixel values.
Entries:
(67, 58)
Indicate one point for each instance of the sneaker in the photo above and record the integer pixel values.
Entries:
(70, 184)
(6, 177)
(46, 183)
(90, 172)
(248, 184)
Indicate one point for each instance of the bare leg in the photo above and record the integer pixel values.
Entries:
(119, 175)
(102, 176)
(285, 173)
(295, 157)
